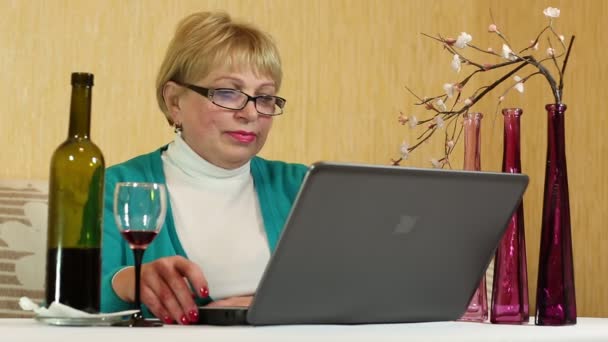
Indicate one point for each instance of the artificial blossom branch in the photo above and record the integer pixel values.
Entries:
(442, 116)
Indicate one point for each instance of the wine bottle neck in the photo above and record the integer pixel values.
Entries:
(80, 112)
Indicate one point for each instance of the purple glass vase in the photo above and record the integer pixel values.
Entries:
(555, 295)
(510, 285)
(477, 311)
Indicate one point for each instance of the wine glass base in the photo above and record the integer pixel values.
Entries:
(139, 323)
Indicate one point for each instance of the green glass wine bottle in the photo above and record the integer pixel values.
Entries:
(73, 264)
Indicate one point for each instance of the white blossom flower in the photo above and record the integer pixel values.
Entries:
(441, 105)
(550, 52)
(519, 86)
(551, 12)
(501, 98)
(490, 49)
(404, 149)
(492, 28)
(449, 89)
(436, 163)
(413, 121)
(561, 37)
(468, 102)
(456, 63)
(439, 121)
(507, 53)
(463, 39)
(450, 144)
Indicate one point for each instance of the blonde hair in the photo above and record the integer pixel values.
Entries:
(206, 41)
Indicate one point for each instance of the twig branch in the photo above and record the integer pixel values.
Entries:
(449, 118)
(561, 80)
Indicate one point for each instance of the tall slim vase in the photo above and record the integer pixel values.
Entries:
(477, 311)
(510, 284)
(555, 294)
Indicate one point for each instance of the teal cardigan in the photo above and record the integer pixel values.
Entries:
(276, 184)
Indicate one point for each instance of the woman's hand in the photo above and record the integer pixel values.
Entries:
(164, 288)
(232, 301)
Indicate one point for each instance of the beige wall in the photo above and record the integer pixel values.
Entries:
(346, 65)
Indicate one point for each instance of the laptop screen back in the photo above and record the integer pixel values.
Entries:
(376, 244)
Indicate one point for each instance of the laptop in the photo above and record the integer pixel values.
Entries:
(381, 244)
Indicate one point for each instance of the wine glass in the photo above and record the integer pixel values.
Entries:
(139, 211)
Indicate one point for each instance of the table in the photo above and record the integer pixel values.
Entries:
(587, 329)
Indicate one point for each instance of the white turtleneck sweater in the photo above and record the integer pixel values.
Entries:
(218, 220)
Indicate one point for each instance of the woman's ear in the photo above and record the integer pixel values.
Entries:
(171, 94)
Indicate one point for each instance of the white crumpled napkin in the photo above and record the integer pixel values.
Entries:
(61, 310)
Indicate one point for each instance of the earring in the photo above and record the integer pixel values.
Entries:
(177, 127)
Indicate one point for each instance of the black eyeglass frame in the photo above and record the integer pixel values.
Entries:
(208, 93)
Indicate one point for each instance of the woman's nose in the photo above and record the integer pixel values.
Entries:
(248, 112)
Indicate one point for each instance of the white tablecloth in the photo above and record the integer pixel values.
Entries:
(587, 329)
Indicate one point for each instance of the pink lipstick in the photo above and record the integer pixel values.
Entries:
(243, 136)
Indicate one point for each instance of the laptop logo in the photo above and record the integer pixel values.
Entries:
(406, 224)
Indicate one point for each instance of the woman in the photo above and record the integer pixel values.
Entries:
(217, 87)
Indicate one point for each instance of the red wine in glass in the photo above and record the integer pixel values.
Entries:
(139, 239)
(139, 212)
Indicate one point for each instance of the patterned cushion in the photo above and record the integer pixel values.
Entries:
(23, 217)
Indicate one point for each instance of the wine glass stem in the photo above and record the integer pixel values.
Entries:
(138, 253)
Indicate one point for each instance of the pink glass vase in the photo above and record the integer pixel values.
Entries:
(477, 311)
(510, 285)
(555, 295)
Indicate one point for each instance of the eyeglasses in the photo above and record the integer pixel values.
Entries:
(237, 100)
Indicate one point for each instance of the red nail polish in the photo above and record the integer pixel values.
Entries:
(184, 320)
(205, 292)
(167, 320)
(193, 315)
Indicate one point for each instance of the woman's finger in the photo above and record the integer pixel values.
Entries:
(195, 276)
(161, 277)
(156, 307)
(183, 295)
